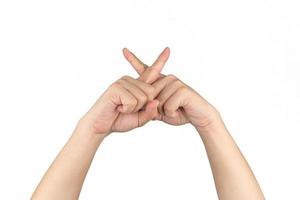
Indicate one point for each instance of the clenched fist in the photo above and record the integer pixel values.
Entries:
(130, 103)
(180, 104)
(126, 104)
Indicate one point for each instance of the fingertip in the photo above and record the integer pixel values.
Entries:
(167, 49)
(124, 50)
(126, 53)
(162, 59)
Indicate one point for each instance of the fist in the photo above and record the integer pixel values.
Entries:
(180, 104)
(126, 104)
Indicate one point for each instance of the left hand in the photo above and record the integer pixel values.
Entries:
(178, 103)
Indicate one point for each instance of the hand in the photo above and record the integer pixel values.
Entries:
(178, 103)
(119, 108)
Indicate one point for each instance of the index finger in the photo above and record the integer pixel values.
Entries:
(161, 60)
(136, 63)
(152, 73)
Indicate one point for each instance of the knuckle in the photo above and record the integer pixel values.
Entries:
(183, 89)
(116, 85)
(120, 81)
(125, 77)
(172, 76)
(178, 83)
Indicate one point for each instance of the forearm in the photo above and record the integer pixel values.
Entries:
(65, 177)
(232, 174)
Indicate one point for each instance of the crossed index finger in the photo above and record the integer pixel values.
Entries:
(148, 74)
(161, 60)
(136, 63)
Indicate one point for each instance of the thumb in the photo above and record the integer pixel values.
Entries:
(149, 113)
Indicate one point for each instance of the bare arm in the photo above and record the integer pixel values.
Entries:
(65, 176)
(117, 110)
(233, 177)
(180, 104)
(128, 104)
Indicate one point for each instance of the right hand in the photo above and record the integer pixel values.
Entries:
(120, 108)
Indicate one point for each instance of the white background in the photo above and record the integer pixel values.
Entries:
(57, 57)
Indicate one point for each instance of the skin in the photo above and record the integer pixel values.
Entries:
(130, 103)
(180, 104)
(117, 110)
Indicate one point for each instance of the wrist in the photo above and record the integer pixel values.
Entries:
(85, 128)
(213, 123)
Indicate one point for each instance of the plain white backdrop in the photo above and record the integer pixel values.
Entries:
(57, 57)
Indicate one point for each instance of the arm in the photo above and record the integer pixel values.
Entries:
(232, 174)
(180, 104)
(117, 110)
(65, 176)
